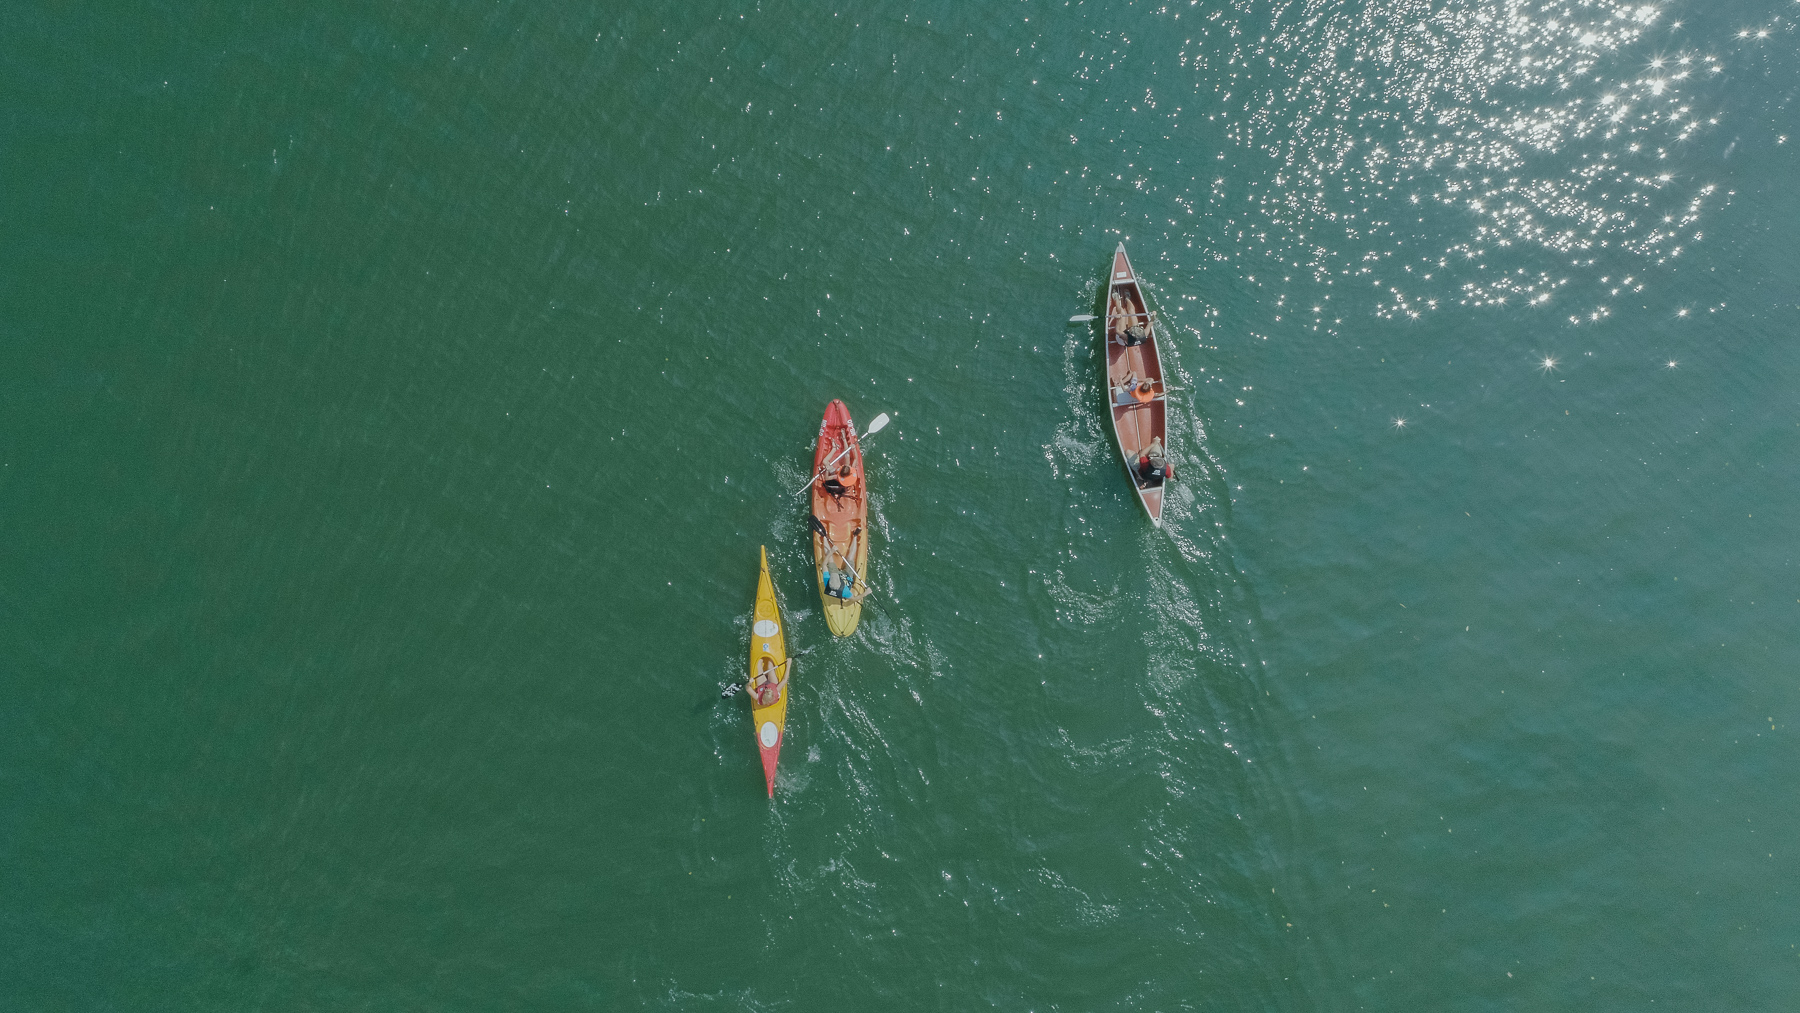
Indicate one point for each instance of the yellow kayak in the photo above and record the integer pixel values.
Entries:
(769, 668)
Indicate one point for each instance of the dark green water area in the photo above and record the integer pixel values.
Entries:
(393, 398)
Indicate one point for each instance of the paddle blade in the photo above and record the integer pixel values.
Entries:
(812, 524)
(1084, 318)
(877, 425)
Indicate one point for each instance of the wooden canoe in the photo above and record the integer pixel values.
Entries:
(768, 645)
(1138, 413)
(841, 554)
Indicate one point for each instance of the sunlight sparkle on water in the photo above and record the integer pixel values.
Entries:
(1532, 124)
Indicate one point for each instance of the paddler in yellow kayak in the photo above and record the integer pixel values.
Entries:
(766, 690)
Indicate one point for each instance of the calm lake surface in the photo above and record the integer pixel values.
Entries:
(393, 399)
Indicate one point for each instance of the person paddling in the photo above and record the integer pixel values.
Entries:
(1154, 466)
(837, 579)
(1115, 309)
(766, 690)
(842, 483)
(1126, 387)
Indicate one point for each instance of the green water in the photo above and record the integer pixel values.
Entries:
(393, 400)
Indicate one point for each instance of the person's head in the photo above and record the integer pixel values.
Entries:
(844, 471)
(1145, 385)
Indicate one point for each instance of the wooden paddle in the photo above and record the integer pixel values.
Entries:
(876, 426)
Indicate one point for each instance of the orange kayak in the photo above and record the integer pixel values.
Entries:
(840, 509)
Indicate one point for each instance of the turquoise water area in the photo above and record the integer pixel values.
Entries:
(393, 399)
